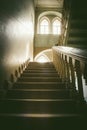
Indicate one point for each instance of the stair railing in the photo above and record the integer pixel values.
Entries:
(66, 20)
(71, 65)
(8, 83)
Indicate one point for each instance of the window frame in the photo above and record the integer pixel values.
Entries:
(56, 27)
(45, 29)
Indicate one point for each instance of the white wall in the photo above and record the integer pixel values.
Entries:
(16, 35)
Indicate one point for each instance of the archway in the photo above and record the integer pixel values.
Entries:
(44, 56)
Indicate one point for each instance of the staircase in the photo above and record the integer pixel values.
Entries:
(40, 100)
(77, 32)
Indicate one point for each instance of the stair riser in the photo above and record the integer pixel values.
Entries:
(38, 107)
(26, 123)
(39, 86)
(39, 75)
(41, 68)
(40, 71)
(38, 94)
(39, 79)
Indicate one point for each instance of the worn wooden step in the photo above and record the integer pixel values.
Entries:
(40, 85)
(41, 64)
(41, 71)
(42, 121)
(39, 79)
(79, 24)
(40, 94)
(39, 74)
(41, 106)
(40, 68)
(78, 32)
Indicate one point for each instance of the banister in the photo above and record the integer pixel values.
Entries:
(73, 52)
(71, 64)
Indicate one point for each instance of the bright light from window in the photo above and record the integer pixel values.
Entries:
(56, 27)
(44, 27)
(42, 59)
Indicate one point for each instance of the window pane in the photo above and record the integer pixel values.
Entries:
(44, 27)
(56, 27)
(44, 22)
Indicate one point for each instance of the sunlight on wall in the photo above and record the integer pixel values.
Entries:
(19, 34)
(27, 51)
(17, 29)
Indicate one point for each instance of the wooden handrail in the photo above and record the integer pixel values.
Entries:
(73, 52)
(71, 64)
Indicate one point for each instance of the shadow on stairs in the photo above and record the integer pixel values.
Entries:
(39, 100)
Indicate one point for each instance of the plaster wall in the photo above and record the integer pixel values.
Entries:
(16, 35)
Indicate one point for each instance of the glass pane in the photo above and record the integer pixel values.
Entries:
(56, 27)
(44, 27)
(44, 22)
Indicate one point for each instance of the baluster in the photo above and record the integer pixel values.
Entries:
(16, 75)
(72, 72)
(67, 69)
(72, 76)
(85, 73)
(61, 66)
(79, 80)
(64, 68)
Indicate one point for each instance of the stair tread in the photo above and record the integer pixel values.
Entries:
(38, 106)
(40, 85)
(41, 100)
(40, 74)
(38, 94)
(48, 90)
(39, 77)
(50, 82)
(37, 115)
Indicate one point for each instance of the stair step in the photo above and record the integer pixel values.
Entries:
(42, 121)
(40, 106)
(39, 75)
(79, 24)
(40, 68)
(40, 85)
(78, 32)
(40, 71)
(46, 64)
(39, 79)
(41, 115)
(25, 94)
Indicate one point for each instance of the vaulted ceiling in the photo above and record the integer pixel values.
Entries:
(49, 3)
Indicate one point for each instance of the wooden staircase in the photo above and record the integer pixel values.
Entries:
(77, 24)
(40, 100)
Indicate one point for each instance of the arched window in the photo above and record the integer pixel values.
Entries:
(44, 26)
(56, 27)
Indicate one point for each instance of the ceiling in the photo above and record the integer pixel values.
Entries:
(49, 3)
